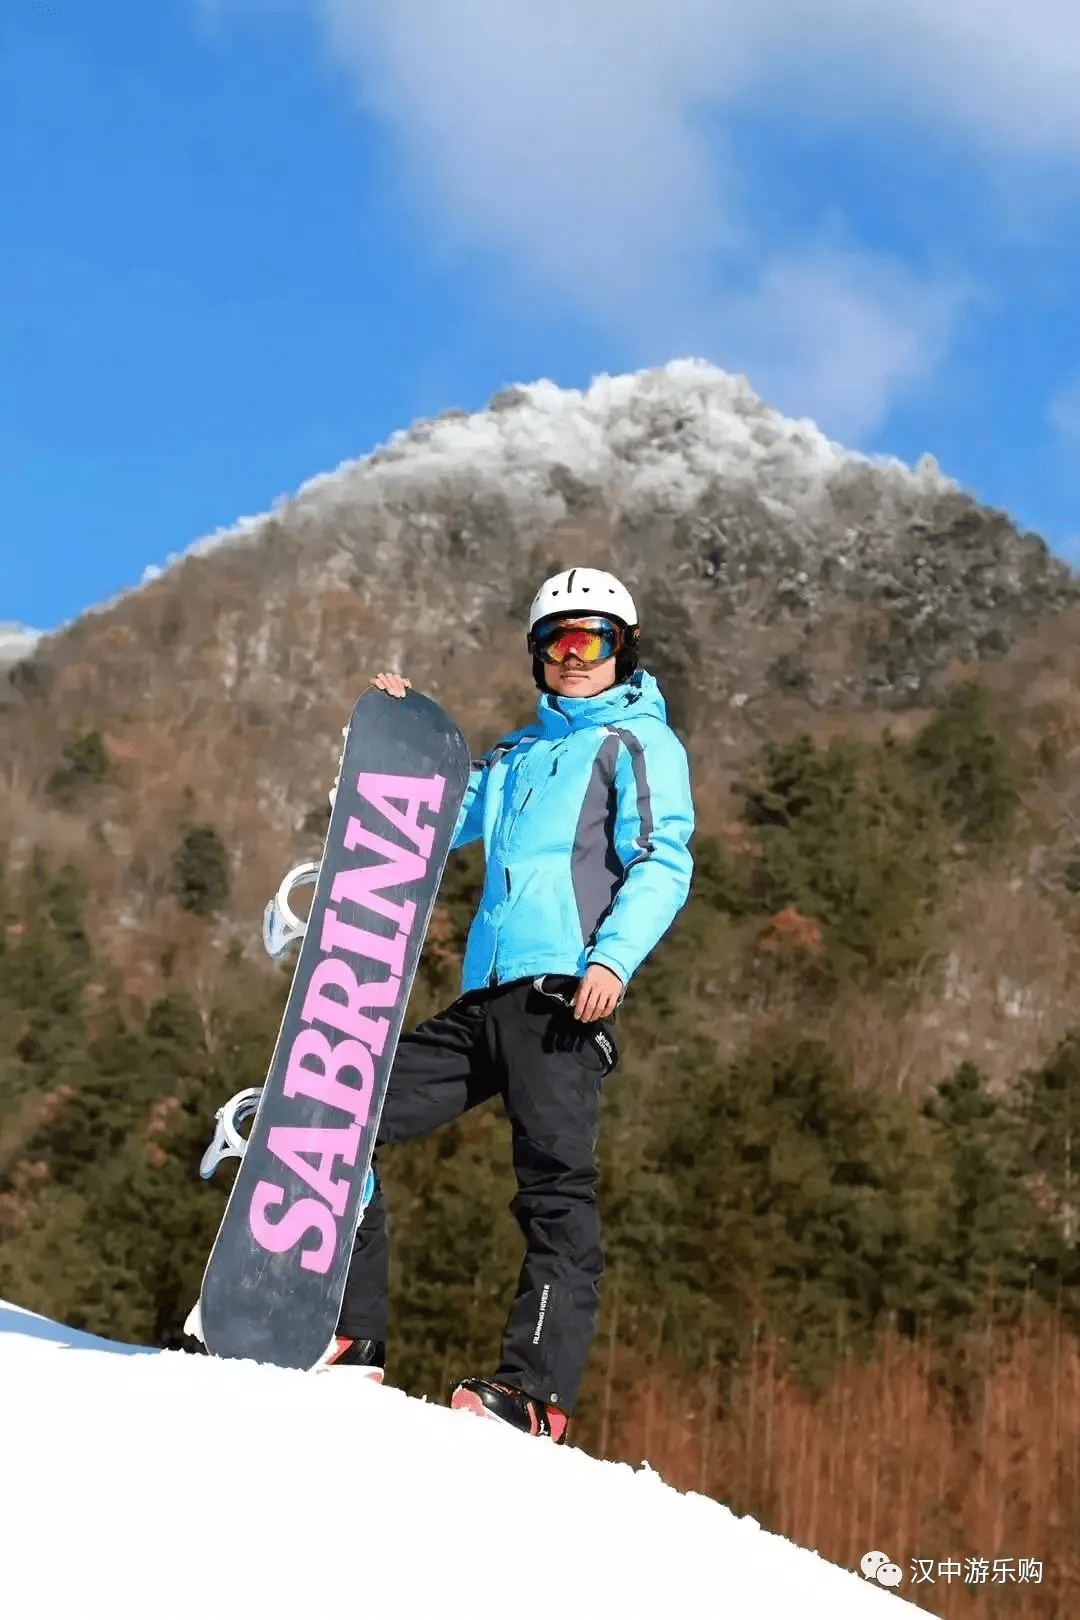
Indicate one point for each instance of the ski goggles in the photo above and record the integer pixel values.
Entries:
(590, 639)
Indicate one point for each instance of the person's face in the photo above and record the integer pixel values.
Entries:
(574, 649)
(574, 678)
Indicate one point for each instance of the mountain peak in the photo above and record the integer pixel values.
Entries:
(654, 436)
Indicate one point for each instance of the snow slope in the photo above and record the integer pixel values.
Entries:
(139, 1483)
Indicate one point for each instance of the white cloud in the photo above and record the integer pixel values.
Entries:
(838, 335)
(1006, 70)
(567, 135)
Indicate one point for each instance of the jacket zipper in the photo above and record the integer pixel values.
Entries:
(517, 812)
(506, 869)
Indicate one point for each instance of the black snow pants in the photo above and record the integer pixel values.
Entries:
(523, 1044)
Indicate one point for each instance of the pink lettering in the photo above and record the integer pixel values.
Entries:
(323, 1084)
(412, 791)
(320, 1007)
(308, 1215)
(293, 1144)
(359, 884)
(333, 998)
(342, 936)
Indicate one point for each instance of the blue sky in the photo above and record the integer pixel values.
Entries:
(243, 240)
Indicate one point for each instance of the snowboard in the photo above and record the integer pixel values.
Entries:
(274, 1281)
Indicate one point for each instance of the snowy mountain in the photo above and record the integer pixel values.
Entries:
(702, 495)
(651, 437)
(16, 642)
(157, 1483)
(783, 583)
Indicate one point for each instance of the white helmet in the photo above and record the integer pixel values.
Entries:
(583, 590)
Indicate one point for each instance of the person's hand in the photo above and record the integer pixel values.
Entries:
(396, 685)
(597, 993)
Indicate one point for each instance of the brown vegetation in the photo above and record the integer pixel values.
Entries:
(930, 1459)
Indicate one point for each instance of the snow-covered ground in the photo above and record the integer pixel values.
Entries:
(138, 1484)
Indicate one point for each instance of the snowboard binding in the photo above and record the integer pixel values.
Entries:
(228, 1143)
(281, 925)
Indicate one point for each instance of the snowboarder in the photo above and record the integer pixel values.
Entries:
(585, 816)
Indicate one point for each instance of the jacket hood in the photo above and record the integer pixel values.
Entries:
(636, 698)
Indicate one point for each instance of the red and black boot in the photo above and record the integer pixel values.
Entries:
(369, 1355)
(489, 1399)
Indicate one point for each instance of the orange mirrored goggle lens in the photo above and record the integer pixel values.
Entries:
(591, 640)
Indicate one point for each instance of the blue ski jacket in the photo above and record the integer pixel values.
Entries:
(585, 815)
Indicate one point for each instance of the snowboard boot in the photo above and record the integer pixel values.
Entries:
(367, 1354)
(489, 1399)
